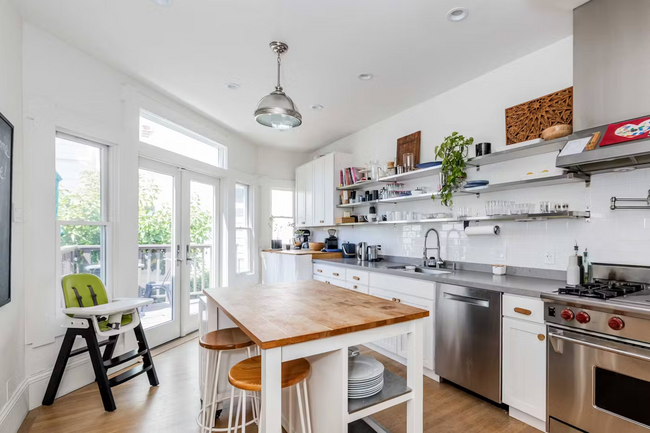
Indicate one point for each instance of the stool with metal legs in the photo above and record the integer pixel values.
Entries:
(214, 344)
(247, 377)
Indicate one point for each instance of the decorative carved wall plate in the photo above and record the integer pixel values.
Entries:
(527, 121)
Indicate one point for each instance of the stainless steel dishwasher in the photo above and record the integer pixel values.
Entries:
(468, 338)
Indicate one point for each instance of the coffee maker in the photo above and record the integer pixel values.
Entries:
(301, 239)
(332, 242)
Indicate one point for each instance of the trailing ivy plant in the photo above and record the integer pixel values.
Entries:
(453, 153)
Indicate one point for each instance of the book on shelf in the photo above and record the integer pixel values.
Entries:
(350, 176)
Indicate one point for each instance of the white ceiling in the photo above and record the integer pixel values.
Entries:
(194, 47)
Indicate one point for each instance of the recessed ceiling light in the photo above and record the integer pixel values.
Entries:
(317, 107)
(232, 86)
(162, 2)
(365, 77)
(457, 14)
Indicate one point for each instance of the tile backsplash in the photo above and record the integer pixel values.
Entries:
(621, 236)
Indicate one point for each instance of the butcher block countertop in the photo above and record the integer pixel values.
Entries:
(282, 314)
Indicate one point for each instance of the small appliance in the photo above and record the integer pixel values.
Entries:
(374, 253)
(362, 253)
(301, 239)
(332, 242)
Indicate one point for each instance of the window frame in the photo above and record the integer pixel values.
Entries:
(174, 126)
(248, 228)
(105, 203)
(293, 205)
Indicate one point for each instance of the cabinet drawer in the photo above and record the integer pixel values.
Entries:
(332, 281)
(409, 286)
(523, 308)
(356, 276)
(362, 288)
(329, 271)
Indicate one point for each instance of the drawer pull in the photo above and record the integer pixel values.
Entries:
(397, 300)
(354, 287)
(523, 311)
(356, 278)
(322, 221)
(336, 274)
(319, 270)
(541, 337)
(327, 282)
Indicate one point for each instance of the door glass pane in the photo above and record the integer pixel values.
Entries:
(202, 241)
(243, 254)
(155, 265)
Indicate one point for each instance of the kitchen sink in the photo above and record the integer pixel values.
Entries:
(419, 270)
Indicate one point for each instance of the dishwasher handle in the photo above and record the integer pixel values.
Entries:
(467, 299)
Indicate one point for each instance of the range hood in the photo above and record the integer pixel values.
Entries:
(615, 157)
(607, 88)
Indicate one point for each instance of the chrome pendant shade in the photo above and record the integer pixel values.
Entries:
(276, 110)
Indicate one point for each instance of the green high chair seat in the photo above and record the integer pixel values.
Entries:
(91, 313)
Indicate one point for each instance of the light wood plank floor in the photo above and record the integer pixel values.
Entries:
(172, 406)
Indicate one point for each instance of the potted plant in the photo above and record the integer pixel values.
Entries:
(453, 153)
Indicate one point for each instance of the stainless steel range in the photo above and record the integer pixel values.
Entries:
(599, 353)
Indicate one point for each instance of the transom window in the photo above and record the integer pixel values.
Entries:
(162, 133)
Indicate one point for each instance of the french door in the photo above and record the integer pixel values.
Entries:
(178, 247)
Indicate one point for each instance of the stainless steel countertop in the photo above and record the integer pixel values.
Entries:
(512, 284)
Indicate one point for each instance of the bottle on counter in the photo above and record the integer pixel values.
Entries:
(586, 266)
(573, 272)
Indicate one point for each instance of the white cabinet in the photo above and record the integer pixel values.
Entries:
(389, 344)
(400, 344)
(524, 366)
(304, 195)
(316, 195)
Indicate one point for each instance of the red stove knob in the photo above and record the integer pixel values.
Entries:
(583, 317)
(567, 315)
(616, 323)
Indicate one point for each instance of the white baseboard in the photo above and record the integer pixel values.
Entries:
(14, 412)
(527, 419)
(427, 372)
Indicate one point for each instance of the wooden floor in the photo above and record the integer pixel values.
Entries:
(173, 406)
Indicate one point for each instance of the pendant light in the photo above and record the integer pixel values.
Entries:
(276, 110)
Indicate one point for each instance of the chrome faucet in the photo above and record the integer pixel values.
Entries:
(438, 261)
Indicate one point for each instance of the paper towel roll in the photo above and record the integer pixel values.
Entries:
(482, 230)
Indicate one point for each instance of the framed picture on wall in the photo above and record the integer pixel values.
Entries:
(6, 153)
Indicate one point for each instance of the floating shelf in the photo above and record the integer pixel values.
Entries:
(415, 174)
(394, 200)
(516, 152)
(528, 183)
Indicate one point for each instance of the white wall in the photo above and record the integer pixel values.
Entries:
(13, 400)
(67, 89)
(477, 109)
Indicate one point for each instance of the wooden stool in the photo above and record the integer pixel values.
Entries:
(247, 376)
(215, 343)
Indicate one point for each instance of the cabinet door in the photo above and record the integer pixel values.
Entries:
(524, 366)
(309, 194)
(301, 198)
(319, 191)
(425, 304)
(329, 188)
(389, 344)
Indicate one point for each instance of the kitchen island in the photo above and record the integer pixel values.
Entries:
(314, 320)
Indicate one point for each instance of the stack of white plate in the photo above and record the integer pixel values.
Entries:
(365, 376)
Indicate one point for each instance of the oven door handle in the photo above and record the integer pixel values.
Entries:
(593, 343)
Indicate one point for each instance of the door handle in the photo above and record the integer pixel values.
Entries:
(179, 259)
(187, 254)
(467, 299)
(587, 341)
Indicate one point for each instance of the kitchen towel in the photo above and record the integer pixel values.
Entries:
(483, 231)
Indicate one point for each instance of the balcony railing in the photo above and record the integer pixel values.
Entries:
(154, 265)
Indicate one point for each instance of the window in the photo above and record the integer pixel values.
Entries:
(162, 133)
(282, 215)
(242, 228)
(81, 205)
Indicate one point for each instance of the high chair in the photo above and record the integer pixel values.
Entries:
(91, 313)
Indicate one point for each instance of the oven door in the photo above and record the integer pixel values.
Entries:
(596, 384)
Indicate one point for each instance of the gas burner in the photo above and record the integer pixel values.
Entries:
(602, 289)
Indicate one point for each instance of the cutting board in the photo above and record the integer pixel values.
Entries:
(409, 144)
